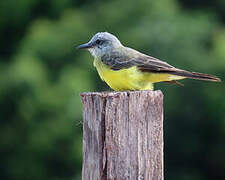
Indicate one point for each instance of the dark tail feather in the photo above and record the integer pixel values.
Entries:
(194, 75)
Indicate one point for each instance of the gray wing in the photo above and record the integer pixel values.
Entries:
(129, 58)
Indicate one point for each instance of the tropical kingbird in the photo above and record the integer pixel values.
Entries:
(123, 68)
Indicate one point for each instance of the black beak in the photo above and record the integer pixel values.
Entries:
(85, 46)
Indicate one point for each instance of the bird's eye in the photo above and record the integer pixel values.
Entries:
(98, 41)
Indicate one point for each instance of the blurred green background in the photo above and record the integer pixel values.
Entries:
(42, 75)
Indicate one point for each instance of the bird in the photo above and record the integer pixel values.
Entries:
(126, 69)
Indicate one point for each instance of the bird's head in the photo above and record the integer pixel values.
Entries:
(101, 43)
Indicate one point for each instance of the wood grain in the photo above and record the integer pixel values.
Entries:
(123, 135)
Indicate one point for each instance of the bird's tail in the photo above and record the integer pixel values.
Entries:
(194, 75)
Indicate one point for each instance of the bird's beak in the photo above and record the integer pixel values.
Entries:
(85, 46)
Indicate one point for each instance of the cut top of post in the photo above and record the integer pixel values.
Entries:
(104, 94)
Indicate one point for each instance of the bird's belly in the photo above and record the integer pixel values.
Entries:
(124, 79)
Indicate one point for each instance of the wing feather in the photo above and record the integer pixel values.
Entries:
(128, 58)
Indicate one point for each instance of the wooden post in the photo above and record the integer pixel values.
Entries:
(123, 135)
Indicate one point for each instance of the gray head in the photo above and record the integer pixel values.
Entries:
(101, 43)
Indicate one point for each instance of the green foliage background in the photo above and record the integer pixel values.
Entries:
(42, 75)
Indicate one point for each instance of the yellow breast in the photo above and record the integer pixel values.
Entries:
(119, 80)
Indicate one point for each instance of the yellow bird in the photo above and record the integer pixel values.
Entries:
(123, 68)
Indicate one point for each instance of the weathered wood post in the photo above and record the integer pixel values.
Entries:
(123, 135)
